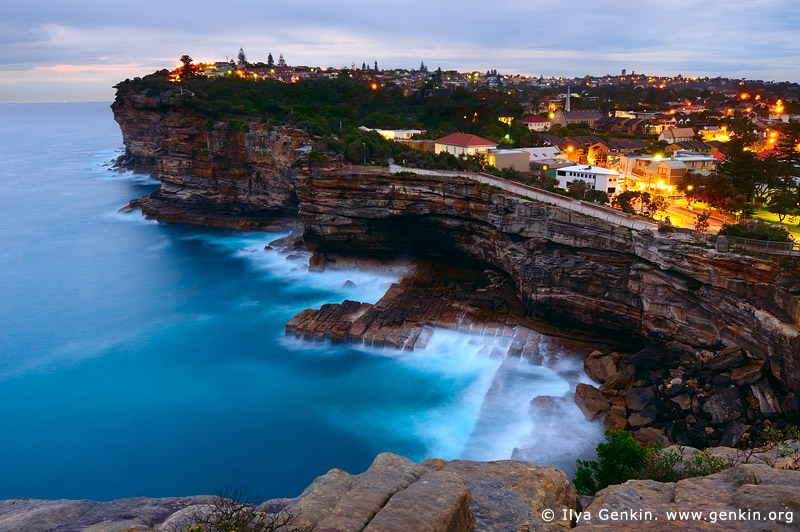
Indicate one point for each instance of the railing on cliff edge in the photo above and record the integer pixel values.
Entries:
(763, 246)
(525, 191)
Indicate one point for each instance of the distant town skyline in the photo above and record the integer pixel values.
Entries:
(77, 51)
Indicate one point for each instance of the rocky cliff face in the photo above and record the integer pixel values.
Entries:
(566, 264)
(563, 264)
(233, 174)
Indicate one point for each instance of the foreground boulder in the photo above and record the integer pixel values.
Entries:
(394, 494)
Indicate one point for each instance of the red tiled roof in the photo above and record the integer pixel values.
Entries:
(770, 153)
(462, 139)
(532, 119)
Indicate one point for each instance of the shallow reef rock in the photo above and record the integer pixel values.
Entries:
(393, 495)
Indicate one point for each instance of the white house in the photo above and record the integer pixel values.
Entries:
(395, 134)
(461, 144)
(535, 123)
(596, 177)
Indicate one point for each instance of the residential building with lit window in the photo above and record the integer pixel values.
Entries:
(535, 123)
(461, 144)
(598, 178)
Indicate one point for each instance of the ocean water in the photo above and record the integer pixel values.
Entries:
(147, 359)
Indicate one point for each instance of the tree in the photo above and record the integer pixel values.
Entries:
(281, 61)
(422, 67)
(270, 61)
(241, 58)
(625, 201)
(578, 189)
(783, 202)
(376, 66)
(596, 196)
(188, 69)
(701, 221)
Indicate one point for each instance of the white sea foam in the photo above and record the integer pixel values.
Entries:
(292, 268)
(488, 414)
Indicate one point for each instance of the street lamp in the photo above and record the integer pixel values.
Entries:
(365, 152)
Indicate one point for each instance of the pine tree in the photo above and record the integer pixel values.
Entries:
(363, 67)
(376, 66)
(188, 69)
(242, 58)
(281, 61)
(422, 67)
(270, 61)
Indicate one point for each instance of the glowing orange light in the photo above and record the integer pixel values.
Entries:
(744, 96)
(570, 148)
(758, 96)
(748, 109)
(374, 86)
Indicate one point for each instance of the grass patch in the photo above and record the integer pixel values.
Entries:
(790, 222)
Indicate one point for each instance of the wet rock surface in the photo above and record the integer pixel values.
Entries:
(432, 294)
(688, 395)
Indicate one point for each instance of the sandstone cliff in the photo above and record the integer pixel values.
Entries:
(246, 174)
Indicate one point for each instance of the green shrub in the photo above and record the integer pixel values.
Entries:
(756, 230)
(619, 459)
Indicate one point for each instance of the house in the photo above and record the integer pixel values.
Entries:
(689, 145)
(545, 153)
(552, 140)
(597, 178)
(661, 122)
(695, 161)
(676, 134)
(462, 144)
(516, 159)
(663, 176)
(546, 158)
(720, 134)
(535, 123)
(580, 116)
(579, 149)
(395, 134)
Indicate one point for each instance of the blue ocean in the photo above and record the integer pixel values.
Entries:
(148, 359)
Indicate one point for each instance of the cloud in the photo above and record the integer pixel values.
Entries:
(96, 40)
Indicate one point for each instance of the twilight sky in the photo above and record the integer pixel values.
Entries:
(53, 50)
